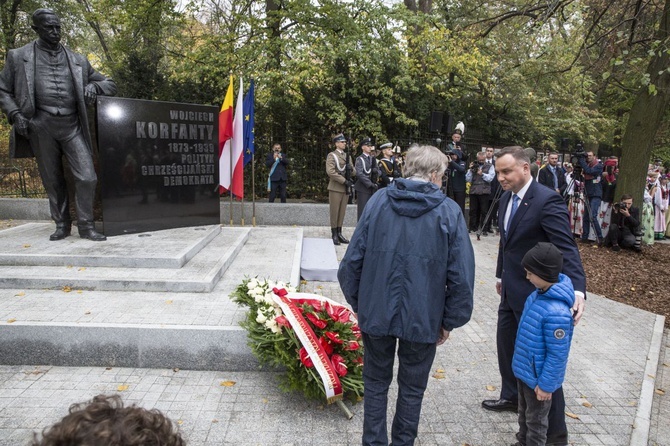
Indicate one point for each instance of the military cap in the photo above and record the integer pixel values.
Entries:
(387, 145)
(339, 138)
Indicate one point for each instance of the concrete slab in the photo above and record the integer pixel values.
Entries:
(319, 261)
(200, 274)
(29, 245)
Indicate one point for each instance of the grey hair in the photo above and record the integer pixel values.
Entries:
(421, 161)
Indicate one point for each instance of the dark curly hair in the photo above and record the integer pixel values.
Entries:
(104, 421)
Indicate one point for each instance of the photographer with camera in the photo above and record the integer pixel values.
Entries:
(624, 225)
(479, 176)
(277, 178)
(592, 170)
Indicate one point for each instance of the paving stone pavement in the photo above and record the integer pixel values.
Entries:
(659, 434)
(602, 387)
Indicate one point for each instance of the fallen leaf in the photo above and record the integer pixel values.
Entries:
(632, 288)
(304, 282)
(69, 266)
(320, 287)
(651, 376)
(168, 302)
(176, 369)
(228, 383)
(81, 269)
(632, 403)
(79, 291)
(666, 364)
(26, 246)
(180, 422)
(122, 387)
(265, 400)
(215, 420)
(108, 368)
(572, 415)
(88, 312)
(438, 376)
(12, 320)
(660, 391)
(20, 294)
(587, 404)
(67, 289)
(491, 388)
(439, 371)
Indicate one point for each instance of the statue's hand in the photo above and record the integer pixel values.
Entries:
(21, 124)
(90, 94)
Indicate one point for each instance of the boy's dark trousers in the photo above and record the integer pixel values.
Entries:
(533, 417)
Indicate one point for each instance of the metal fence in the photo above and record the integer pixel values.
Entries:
(307, 180)
(20, 178)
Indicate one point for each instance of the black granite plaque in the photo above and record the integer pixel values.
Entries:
(159, 165)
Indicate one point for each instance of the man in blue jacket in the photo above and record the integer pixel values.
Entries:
(277, 178)
(409, 275)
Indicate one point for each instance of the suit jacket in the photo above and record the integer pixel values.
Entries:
(335, 164)
(280, 171)
(17, 91)
(545, 177)
(542, 216)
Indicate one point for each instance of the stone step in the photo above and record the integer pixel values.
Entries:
(29, 245)
(200, 274)
(186, 330)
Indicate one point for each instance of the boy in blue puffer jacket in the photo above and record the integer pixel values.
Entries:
(542, 342)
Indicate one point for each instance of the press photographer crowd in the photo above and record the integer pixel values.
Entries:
(599, 213)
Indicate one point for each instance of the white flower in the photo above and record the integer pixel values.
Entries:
(253, 283)
(260, 317)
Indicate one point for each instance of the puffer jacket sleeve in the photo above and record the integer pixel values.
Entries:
(557, 332)
(460, 277)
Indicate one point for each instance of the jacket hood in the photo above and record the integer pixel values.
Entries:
(563, 290)
(414, 198)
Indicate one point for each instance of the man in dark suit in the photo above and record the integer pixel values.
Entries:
(529, 213)
(277, 178)
(44, 89)
(552, 174)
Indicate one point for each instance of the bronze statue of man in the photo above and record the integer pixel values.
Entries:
(44, 89)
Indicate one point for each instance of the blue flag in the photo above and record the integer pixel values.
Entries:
(248, 107)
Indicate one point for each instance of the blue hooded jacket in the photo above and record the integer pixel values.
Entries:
(543, 340)
(410, 267)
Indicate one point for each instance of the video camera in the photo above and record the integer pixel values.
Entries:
(621, 205)
(578, 154)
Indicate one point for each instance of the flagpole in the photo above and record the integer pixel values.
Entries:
(230, 188)
(253, 190)
(242, 205)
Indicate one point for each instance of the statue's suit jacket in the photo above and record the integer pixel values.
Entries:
(542, 216)
(17, 91)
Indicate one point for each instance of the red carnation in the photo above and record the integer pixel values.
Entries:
(334, 337)
(281, 320)
(353, 345)
(326, 345)
(316, 321)
(316, 304)
(304, 358)
(338, 365)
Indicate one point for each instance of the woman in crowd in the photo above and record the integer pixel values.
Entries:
(660, 206)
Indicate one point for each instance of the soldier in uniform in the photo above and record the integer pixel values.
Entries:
(388, 168)
(366, 175)
(339, 186)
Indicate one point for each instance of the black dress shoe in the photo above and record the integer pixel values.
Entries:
(500, 405)
(60, 234)
(340, 237)
(91, 234)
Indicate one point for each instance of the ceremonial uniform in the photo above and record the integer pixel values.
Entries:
(366, 177)
(337, 187)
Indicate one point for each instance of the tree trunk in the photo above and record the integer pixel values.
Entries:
(646, 116)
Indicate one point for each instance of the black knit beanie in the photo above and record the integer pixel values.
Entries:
(545, 261)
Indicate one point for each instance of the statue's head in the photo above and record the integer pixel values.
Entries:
(47, 25)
